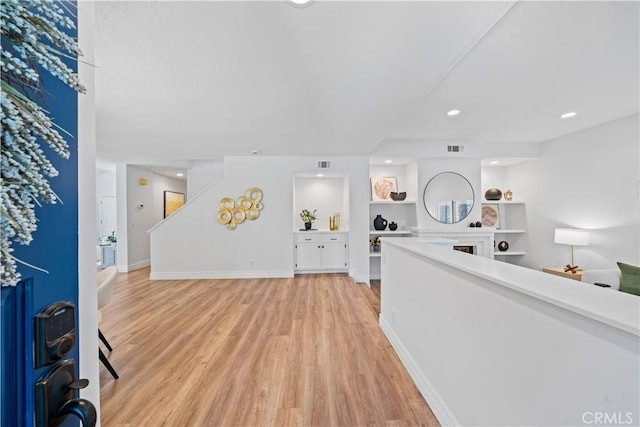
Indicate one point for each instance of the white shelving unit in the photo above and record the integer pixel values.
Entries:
(402, 212)
(513, 229)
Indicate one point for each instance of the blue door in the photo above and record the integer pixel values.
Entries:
(54, 249)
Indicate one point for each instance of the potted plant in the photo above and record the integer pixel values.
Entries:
(308, 217)
(375, 244)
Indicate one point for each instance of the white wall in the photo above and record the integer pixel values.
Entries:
(587, 180)
(191, 244)
(133, 249)
(201, 174)
(324, 194)
(87, 294)
(509, 346)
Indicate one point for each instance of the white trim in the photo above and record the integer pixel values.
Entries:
(139, 265)
(434, 400)
(359, 278)
(135, 266)
(191, 275)
(320, 271)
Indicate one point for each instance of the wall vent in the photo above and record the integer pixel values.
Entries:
(455, 148)
(324, 164)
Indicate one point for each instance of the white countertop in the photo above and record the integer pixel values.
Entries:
(617, 309)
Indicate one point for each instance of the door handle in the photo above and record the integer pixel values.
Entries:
(82, 409)
(56, 397)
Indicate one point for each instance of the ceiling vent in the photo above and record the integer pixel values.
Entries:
(455, 148)
(324, 164)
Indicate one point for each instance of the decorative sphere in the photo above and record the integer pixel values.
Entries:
(493, 194)
(503, 246)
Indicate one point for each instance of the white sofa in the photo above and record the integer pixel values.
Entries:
(609, 276)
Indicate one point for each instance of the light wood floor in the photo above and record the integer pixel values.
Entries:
(261, 352)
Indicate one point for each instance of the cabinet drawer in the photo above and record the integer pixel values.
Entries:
(329, 237)
(309, 238)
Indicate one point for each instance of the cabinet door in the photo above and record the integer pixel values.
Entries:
(334, 256)
(308, 256)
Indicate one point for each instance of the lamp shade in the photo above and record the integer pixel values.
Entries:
(569, 236)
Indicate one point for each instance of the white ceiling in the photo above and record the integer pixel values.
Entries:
(177, 81)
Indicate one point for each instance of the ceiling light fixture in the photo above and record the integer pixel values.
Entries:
(320, 175)
(568, 115)
(494, 162)
(300, 3)
(452, 113)
(179, 174)
(388, 161)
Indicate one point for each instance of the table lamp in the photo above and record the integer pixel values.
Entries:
(571, 237)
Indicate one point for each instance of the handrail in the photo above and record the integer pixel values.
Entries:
(200, 193)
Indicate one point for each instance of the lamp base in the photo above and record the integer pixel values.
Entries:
(571, 268)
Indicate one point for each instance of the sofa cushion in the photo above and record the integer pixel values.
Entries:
(629, 278)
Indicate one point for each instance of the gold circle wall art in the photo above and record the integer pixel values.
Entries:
(247, 206)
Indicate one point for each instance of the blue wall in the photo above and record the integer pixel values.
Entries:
(55, 249)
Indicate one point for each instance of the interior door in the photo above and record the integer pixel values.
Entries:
(107, 215)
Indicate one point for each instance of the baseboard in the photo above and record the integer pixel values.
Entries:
(191, 275)
(139, 265)
(357, 277)
(434, 400)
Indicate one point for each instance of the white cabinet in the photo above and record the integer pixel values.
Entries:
(320, 252)
(513, 226)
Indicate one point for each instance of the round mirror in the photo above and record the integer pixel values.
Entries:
(448, 197)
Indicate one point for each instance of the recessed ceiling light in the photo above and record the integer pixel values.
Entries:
(179, 174)
(254, 152)
(320, 175)
(300, 3)
(453, 112)
(568, 115)
(494, 162)
(388, 161)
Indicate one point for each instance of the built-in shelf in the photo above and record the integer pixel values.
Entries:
(498, 231)
(393, 202)
(389, 232)
(502, 202)
(497, 253)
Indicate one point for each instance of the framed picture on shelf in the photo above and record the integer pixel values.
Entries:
(382, 186)
(172, 202)
(490, 216)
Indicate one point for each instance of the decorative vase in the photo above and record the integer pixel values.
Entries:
(473, 224)
(307, 226)
(493, 194)
(478, 224)
(503, 246)
(508, 195)
(393, 226)
(398, 196)
(379, 223)
(376, 248)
